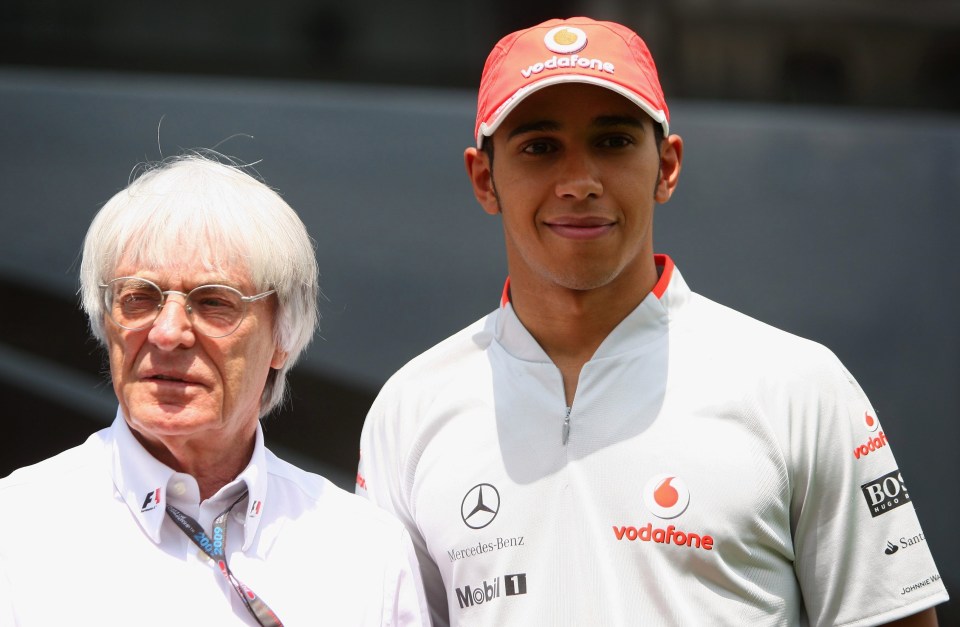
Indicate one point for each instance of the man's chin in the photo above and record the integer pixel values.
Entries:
(171, 419)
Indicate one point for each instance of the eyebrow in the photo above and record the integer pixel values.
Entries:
(204, 281)
(618, 120)
(602, 121)
(534, 127)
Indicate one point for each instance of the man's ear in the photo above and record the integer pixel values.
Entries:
(279, 358)
(479, 170)
(671, 157)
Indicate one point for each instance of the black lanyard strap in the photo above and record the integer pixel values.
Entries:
(215, 549)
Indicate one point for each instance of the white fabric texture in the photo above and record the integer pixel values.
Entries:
(85, 540)
(718, 471)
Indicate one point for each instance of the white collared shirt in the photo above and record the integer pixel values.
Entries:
(85, 539)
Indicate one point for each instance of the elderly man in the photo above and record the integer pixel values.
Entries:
(201, 283)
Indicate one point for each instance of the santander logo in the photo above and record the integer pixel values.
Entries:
(666, 496)
(873, 443)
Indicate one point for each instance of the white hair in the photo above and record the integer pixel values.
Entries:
(216, 215)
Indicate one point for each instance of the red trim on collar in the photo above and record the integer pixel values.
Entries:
(665, 262)
(664, 266)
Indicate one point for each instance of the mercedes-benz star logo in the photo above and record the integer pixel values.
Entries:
(480, 506)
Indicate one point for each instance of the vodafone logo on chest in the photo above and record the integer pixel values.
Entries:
(667, 497)
(874, 442)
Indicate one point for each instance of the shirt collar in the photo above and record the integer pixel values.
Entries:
(142, 481)
(648, 321)
(255, 476)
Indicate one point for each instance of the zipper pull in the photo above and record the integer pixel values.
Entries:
(565, 433)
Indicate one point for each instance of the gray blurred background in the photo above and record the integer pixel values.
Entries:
(819, 192)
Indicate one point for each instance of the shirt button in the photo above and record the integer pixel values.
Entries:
(178, 488)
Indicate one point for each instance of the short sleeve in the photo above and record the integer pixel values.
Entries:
(861, 555)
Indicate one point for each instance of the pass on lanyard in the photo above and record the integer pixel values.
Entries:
(214, 549)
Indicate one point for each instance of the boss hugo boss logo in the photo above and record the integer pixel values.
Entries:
(885, 493)
(480, 506)
(666, 496)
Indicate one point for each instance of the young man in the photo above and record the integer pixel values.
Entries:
(201, 284)
(609, 447)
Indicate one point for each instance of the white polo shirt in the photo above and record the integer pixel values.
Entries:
(713, 471)
(85, 540)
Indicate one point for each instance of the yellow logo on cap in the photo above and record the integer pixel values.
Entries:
(565, 39)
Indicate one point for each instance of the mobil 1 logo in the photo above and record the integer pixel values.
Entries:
(488, 591)
(885, 493)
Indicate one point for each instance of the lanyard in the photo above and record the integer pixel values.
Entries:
(214, 549)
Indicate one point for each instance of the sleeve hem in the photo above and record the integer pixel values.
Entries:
(914, 607)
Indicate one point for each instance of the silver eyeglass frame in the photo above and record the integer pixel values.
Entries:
(108, 298)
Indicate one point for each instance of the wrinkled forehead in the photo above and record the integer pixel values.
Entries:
(186, 260)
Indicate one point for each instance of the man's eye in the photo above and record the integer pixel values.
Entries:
(538, 148)
(139, 298)
(615, 141)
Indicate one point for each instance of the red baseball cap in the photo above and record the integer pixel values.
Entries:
(577, 50)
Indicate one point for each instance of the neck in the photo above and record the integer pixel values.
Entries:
(212, 467)
(571, 324)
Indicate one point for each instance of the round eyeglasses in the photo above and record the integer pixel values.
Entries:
(133, 303)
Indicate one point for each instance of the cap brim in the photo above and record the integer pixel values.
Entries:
(488, 128)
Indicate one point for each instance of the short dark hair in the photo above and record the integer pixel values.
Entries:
(658, 135)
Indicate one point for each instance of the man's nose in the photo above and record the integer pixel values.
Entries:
(173, 327)
(579, 177)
